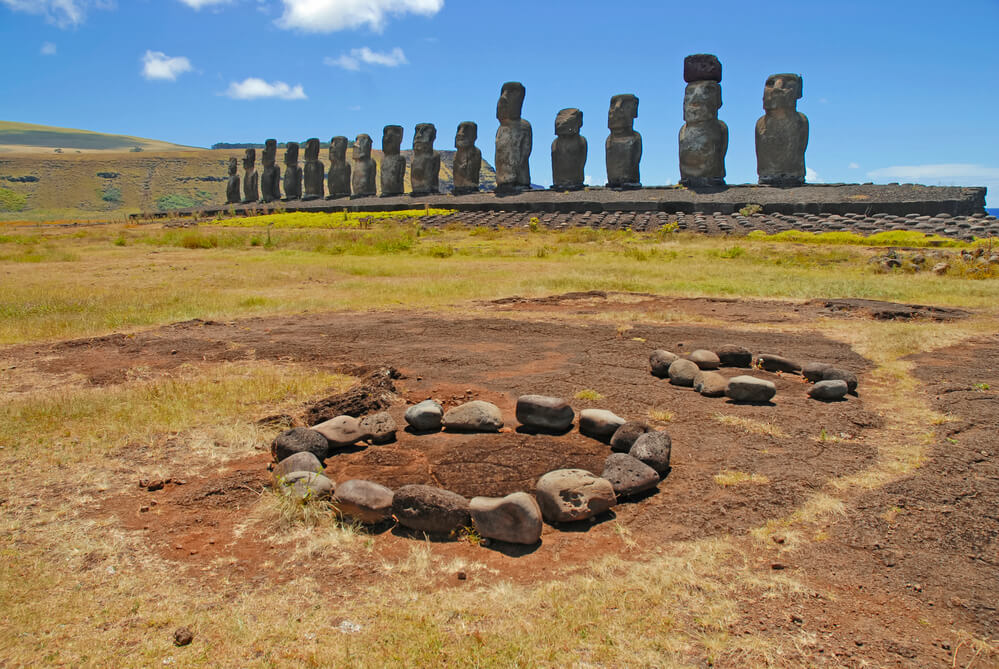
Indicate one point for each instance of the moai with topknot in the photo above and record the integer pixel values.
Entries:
(292, 173)
(467, 159)
(338, 182)
(425, 173)
(270, 180)
(514, 141)
(568, 151)
(232, 195)
(393, 176)
(703, 138)
(251, 192)
(781, 133)
(624, 146)
(362, 170)
(314, 172)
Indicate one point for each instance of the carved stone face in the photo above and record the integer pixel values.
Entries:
(511, 101)
(623, 112)
(232, 166)
(568, 122)
(312, 149)
(424, 136)
(291, 153)
(467, 133)
(701, 101)
(270, 151)
(362, 147)
(338, 148)
(782, 91)
(249, 159)
(391, 139)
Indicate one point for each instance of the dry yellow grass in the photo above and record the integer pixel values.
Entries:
(767, 428)
(731, 477)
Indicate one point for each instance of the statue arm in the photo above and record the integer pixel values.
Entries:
(724, 137)
(804, 123)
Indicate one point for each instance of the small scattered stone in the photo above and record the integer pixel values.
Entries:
(629, 476)
(682, 372)
(624, 437)
(653, 448)
(710, 384)
(813, 370)
(544, 413)
(750, 389)
(599, 423)
(834, 373)
(461, 576)
(731, 355)
(302, 486)
(777, 363)
(182, 636)
(364, 501)
(705, 359)
(829, 391)
(297, 440)
(568, 495)
(515, 518)
(660, 361)
(341, 432)
(474, 416)
(303, 461)
(431, 510)
(425, 416)
(380, 428)
(941, 268)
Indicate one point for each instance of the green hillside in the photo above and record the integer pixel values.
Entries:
(30, 138)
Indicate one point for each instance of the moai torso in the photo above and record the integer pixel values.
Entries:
(703, 138)
(623, 147)
(781, 133)
(270, 180)
(393, 176)
(568, 151)
(251, 191)
(425, 173)
(315, 171)
(232, 195)
(467, 159)
(514, 141)
(362, 169)
(338, 182)
(292, 173)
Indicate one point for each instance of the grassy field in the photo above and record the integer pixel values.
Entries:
(76, 589)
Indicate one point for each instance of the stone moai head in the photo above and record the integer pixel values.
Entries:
(291, 154)
(782, 91)
(270, 151)
(391, 139)
(338, 148)
(511, 101)
(249, 159)
(233, 166)
(701, 101)
(568, 122)
(468, 132)
(424, 137)
(623, 112)
(702, 67)
(312, 149)
(362, 147)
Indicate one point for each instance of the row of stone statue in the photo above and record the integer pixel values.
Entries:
(781, 140)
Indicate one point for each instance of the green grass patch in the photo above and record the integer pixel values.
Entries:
(334, 221)
(907, 238)
(12, 200)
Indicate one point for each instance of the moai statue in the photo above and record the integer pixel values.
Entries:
(624, 145)
(425, 174)
(314, 172)
(568, 151)
(232, 187)
(514, 140)
(781, 133)
(467, 159)
(362, 172)
(338, 183)
(292, 173)
(703, 138)
(393, 177)
(270, 180)
(250, 190)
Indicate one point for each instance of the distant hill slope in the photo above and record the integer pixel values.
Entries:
(30, 138)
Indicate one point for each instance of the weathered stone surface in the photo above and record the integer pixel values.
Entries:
(599, 423)
(703, 138)
(731, 355)
(431, 510)
(568, 495)
(705, 359)
(660, 361)
(833, 373)
(362, 169)
(514, 141)
(624, 437)
(628, 475)
(380, 428)
(653, 448)
(393, 168)
(623, 148)
(552, 414)
(251, 190)
(829, 391)
(364, 501)
(426, 416)
(314, 184)
(781, 133)
(702, 67)
(750, 389)
(568, 151)
(813, 370)
(425, 175)
(297, 440)
(682, 372)
(341, 431)
(232, 194)
(777, 363)
(338, 178)
(710, 384)
(474, 416)
(467, 159)
(292, 173)
(303, 461)
(270, 180)
(515, 518)
(306, 486)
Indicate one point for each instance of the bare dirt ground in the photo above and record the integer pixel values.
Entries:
(899, 564)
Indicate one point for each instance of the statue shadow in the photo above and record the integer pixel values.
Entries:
(524, 429)
(511, 550)
(586, 524)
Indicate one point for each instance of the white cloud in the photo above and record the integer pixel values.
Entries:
(254, 88)
(356, 57)
(49, 49)
(198, 4)
(942, 172)
(811, 176)
(854, 166)
(63, 13)
(157, 65)
(323, 16)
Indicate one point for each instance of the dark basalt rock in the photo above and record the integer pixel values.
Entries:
(781, 133)
(314, 172)
(393, 168)
(702, 67)
(568, 151)
(514, 141)
(425, 174)
(467, 159)
(623, 146)
(431, 510)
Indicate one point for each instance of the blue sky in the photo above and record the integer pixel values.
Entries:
(894, 91)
